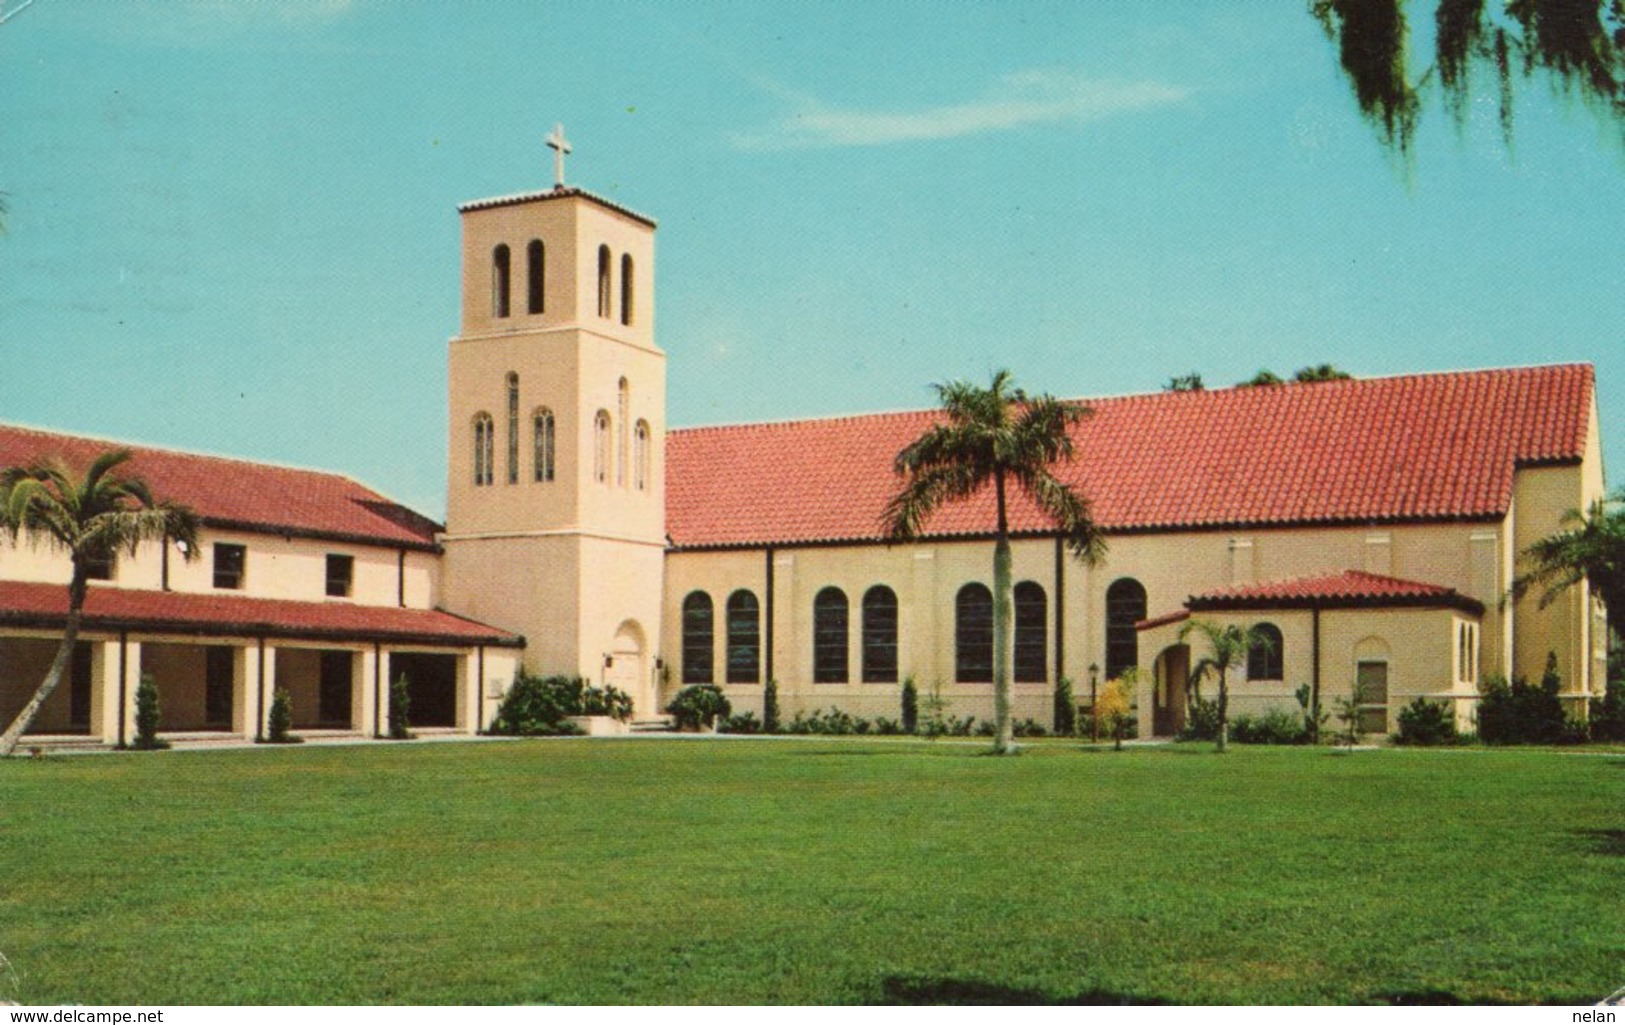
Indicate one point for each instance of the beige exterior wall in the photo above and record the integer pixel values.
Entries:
(275, 567)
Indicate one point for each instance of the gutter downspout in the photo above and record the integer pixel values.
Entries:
(479, 705)
(1060, 608)
(1314, 697)
(377, 690)
(400, 578)
(769, 611)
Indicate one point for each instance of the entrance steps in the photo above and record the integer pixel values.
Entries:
(658, 724)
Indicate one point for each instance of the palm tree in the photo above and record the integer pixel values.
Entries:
(91, 520)
(1592, 548)
(1230, 645)
(997, 435)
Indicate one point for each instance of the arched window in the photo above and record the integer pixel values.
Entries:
(603, 281)
(697, 638)
(1032, 615)
(879, 635)
(1265, 661)
(640, 456)
(600, 447)
(542, 428)
(744, 638)
(1125, 606)
(829, 636)
(623, 402)
(536, 276)
(626, 288)
(499, 281)
(484, 428)
(973, 634)
(513, 428)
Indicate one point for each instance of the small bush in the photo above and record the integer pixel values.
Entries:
(147, 713)
(885, 727)
(1521, 713)
(770, 707)
(1314, 716)
(1201, 720)
(744, 722)
(699, 706)
(1276, 726)
(1031, 728)
(1608, 713)
(279, 724)
(986, 728)
(911, 706)
(540, 706)
(400, 709)
(1066, 708)
(1424, 723)
(608, 700)
(831, 723)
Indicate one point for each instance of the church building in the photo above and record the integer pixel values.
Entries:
(1370, 526)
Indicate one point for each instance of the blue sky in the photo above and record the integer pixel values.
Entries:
(233, 225)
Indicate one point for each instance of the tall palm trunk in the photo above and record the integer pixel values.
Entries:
(1004, 733)
(1224, 714)
(59, 667)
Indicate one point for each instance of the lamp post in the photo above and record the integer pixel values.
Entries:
(1094, 720)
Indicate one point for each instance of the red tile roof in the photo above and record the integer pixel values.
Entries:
(46, 606)
(1396, 449)
(1350, 588)
(234, 493)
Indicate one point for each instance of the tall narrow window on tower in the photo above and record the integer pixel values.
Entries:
(499, 281)
(542, 427)
(626, 288)
(603, 282)
(484, 428)
(600, 447)
(513, 428)
(536, 276)
(623, 403)
(640, 456)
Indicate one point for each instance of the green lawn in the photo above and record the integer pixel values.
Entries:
(824, 871)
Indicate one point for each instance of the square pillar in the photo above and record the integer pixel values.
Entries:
(113, 662)
(259, 674)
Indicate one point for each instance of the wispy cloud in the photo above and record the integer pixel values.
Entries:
(1026, 98)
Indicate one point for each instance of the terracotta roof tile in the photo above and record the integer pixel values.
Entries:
(46, 605)
(1349, 588)
(241, 494)
(1421, 447)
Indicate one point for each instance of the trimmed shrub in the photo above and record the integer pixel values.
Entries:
(1066, 708)
(885, 727)
(832, 723)
(911, 706)
(699, 705)
(279, 724)
(770, 707)
(1608, 713)
(540, 706)
(1424, 723)
(147, 713)
(608, 700)
(400, 709)
(1201, 720)
(744, 722)
(1277, 726)
(1521, 713)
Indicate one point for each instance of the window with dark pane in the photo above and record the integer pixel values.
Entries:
(229, 562)
(829, 636)
(879, 635)
(744, 638)
(340, 575)
(698, 638)
(973, 634)
(1032, 613)
(1125, 606)
(1265, 660)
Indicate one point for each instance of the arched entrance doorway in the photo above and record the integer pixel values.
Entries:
(626, 670)
(1169, 700)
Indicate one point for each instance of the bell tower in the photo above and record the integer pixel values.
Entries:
(555, 516)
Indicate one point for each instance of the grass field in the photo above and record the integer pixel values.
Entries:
(822, 871)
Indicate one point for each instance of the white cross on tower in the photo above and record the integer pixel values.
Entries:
(560, 146)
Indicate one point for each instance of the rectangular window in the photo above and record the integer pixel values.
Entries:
(228, 566)
(340, 575)
(99, 568)
(1371, 695)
